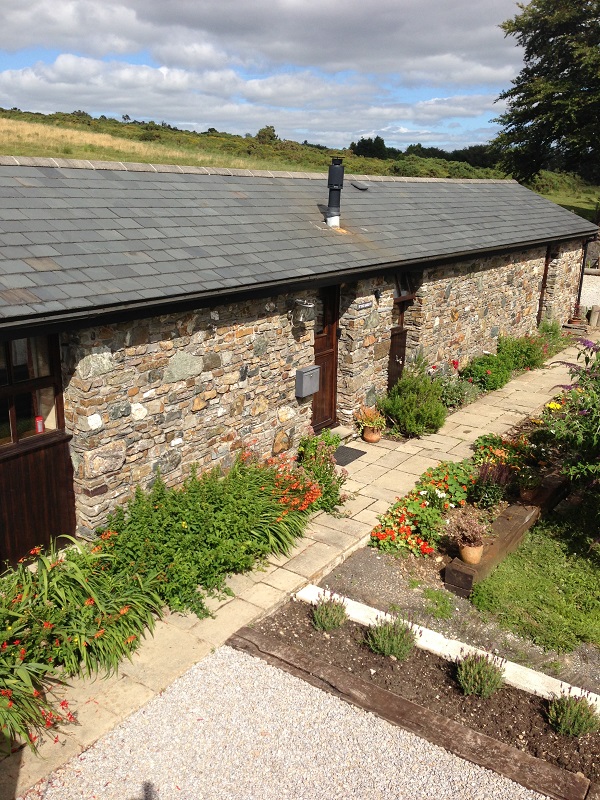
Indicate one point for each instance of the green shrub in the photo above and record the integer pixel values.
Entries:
(391, 638)
(573, 716)
(456, 391)
(72, 612)
(551, 332)
(414, 404)
(214, 526)
(481, 675)
(489, 372)
(329, 613)
(316, 456)
(526, 352)
(63, 613)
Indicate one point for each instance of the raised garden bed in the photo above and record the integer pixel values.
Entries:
(512, 734)
(507, 533)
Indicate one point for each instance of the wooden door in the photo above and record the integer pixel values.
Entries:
(37, 501)
(37, 498)
(326, 356)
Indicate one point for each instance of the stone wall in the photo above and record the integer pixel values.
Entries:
(364, 344)
(562, 282)
(464, 307)
(459, 311)
(166, 392)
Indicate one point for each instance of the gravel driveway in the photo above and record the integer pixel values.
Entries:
(235, 727)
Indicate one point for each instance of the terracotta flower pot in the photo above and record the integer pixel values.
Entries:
(371, 434)
(471, 555)
(528, 495)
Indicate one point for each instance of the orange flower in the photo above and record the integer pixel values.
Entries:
(99, 634)
(124, 610)
(90, 601)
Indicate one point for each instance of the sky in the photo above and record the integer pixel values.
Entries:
(326, 71)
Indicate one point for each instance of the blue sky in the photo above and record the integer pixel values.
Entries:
(329, 71)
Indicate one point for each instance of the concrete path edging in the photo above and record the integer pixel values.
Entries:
(515, 675)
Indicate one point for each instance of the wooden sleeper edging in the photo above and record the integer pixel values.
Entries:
(508, 531)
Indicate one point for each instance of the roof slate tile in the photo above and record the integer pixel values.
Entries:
(126, 233)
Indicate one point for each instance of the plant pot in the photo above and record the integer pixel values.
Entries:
(528, 495)
(371, 434)
(470, 555)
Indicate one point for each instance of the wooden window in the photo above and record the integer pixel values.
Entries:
(30, 388)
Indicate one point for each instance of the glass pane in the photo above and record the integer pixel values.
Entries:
(5, 437)
(46, 412)
(24, 407)
(3, 369)
(30, 358)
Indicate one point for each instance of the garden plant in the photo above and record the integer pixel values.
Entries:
(81, 610)
(329, 613)
(391, 638)
(479, 674)
(573, 716)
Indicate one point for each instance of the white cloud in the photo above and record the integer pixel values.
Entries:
(324, 70)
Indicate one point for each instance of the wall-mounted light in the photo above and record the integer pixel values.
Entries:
(377, 294)
(301, 312)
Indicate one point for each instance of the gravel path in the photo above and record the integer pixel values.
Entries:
(235, 727)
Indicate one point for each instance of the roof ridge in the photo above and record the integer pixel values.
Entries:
(125, 166)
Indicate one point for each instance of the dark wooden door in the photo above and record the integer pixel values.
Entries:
(37, 501)
(326, 356)
(398, 336)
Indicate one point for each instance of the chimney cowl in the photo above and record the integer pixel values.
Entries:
(335, 183)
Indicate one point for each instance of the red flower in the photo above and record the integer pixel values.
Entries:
(48, 625)
(454, 363)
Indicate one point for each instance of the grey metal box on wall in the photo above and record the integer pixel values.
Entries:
(307, 380)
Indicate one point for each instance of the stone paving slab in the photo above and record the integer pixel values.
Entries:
(165, 656)
(393, 482)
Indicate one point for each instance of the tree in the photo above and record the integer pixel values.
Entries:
(267, 135)
(370, 148)
(553, 114)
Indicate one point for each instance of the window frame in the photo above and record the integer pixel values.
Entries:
(13, 388)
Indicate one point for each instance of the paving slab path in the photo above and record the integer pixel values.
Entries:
(382, 472)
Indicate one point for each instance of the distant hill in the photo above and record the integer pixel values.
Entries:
(79, 135)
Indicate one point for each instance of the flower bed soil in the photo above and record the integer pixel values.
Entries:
(510, 716)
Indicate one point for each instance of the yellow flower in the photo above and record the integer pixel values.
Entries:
(553, 406)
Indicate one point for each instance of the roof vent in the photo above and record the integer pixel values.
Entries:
(335, 183)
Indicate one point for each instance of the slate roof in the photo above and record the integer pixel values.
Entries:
(79, 239)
